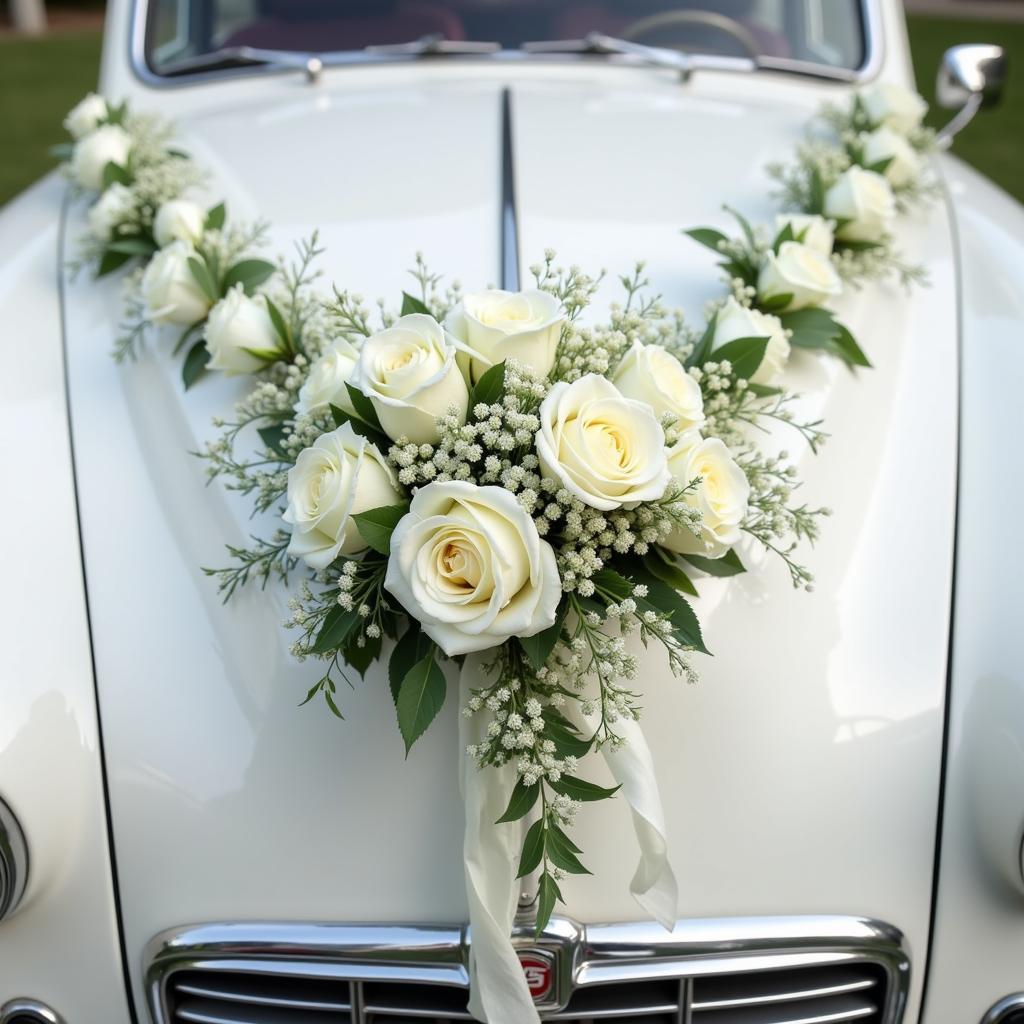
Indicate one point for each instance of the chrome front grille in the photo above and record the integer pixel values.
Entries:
(761, 971)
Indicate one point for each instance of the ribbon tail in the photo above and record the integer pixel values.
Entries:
(654, 884)
(498, 991)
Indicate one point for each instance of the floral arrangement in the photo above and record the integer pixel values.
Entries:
(506, 481)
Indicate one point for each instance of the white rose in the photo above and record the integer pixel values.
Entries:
(496, 325)
(800, 271)
(893, 105)
(468, 564)
(650, 374)
(864, 200)
(108, 144)
(409, 374)
(114, 206)
(736, 321)
(720, 497)
(179, 220)
(885, 144)
(340, 475)
(86, 115)
(606, 449)
(239, 334)
(327, 378)
(817, 232)
(172, 295)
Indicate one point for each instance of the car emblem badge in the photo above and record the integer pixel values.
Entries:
(539, 968)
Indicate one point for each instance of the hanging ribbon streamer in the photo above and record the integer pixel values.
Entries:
(498, 990)
(654, 883)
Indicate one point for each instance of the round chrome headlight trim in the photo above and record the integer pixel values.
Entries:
(18, 1010)
(13, 864)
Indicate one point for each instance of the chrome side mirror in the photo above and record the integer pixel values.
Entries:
(970, 77)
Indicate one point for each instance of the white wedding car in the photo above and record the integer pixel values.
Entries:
(844, 788)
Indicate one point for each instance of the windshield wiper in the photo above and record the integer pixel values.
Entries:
(246, 56)
(656, 56)
(433, 45)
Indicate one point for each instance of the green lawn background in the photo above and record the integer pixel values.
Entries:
(40, 79)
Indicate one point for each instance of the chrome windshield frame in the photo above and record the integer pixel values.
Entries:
(870, 13)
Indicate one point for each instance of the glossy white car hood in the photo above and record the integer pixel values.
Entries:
(800, 776)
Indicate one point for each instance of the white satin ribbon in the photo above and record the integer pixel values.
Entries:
(498, 991)
(654, 883)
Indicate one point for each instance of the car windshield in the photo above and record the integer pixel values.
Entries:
(185, 36)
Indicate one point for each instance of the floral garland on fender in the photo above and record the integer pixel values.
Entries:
(497, 480)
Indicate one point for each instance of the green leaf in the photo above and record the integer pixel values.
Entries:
(115, 173)
(745, 355)
(702, 350)
(111, 261)
(521, 802)
(372, 434)
(376, 525)
(664, 600)
(489, 388)
(547, 894)
(708, 237)
(816, 193)
(363, 407)
(335, 710)
(273, 437)
(728, 565)
(413, 647)
(812, 327)
(540, 645)
(334, 630)
(657, 563)
(562, 852)
(410, 304)
(420, 698)
(858, 245)
(774, 303)
(277, 319)
(362, 657)
(250, 274)
(846, 347)
(313, 691)
(195, 363)
(880, 166)
(748, 231)
(564, 734)
(215, 217)
(580, 789)
(203, 278)
(533, 849)
(784, 235)
(133, 246)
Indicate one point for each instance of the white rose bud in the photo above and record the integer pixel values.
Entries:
(114, 206)
(817, 232)
(340, 475)
(325, 384)
(864, 200)
(108, 144)
(720, 497)
(799, 271)
(179, 220)
(496, 325)
(171, 293)
(900, 109)
(885, 144)
(409, 374)
(606, 449)
(736, 321)
(86, 115)
(650, 374)
(239, 334)
(468, 565)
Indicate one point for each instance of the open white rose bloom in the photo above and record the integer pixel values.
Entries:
(498, 504)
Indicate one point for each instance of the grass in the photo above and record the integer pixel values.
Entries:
(41, 79)
(994, 141)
